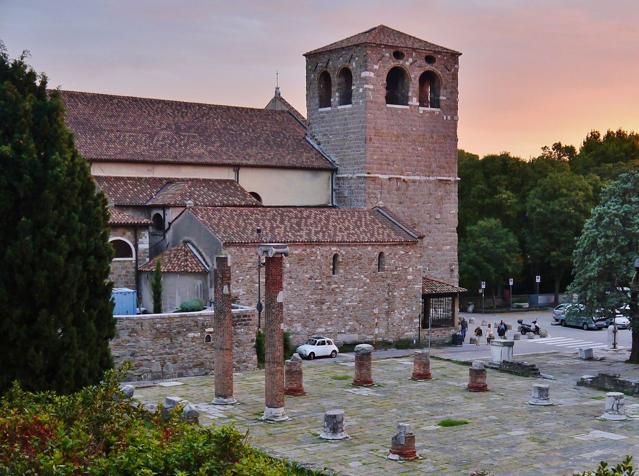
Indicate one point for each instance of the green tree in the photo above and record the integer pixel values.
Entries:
(156, 287)
(607, 156)
(605, 252)
(489, 253)
(55, 299)
(556, 209)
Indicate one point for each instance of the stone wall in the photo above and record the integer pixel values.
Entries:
(357, 304)
(401, 157)
(164, 346)
(123, 272)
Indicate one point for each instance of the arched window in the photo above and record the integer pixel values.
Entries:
(122, 249)
(256, 196)
(207, 338)
(381, 262)
(397, 86)
(429, 89)
(335, 264)
(324, 89)
(345, 87)
(158, 222)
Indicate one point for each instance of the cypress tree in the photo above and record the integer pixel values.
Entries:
(55, 298)
(156, 287)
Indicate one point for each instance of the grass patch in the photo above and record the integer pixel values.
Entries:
(598, 397)
(448, 422)
(341, 377)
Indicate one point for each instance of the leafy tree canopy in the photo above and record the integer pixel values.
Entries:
(609, 155)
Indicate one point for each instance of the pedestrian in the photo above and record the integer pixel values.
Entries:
(478, 334)
(501, 330)
(490, 336)
(464, 327)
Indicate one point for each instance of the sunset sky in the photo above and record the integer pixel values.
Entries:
(532, 72)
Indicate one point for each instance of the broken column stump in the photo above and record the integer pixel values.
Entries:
(477, 378)
(421, 365)
(293, 377)
(334, 426)
(223, 334)
(403, 444)
(363, 365)
(540, 395)
(614, 407)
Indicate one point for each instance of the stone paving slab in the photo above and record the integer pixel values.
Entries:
(505, 436)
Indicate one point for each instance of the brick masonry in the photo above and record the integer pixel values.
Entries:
(369, 139)
(357, 304)
(164, 346)
(123, 272)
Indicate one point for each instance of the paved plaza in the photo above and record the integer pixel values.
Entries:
(504, 436)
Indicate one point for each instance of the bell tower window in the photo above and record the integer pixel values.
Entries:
(345, 87)
(324, 90)
(429, 89)
(397, 84)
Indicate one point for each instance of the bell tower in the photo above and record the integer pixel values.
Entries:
(383, 104)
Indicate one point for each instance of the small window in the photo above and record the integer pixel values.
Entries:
(381, 262)
(121, 249)
(158, 222)
(335, 264)
(324, 90)
(429, 89)
(430, 59)
(398, 55)
(207, 338)
(397, 87)
(256, 196)
(345, 87)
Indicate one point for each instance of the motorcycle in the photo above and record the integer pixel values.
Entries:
(526, 328)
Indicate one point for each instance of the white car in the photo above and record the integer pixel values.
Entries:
(317, 346)
(622, 322)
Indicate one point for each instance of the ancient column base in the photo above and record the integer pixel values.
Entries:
(275, 415)
(334, 426)
(363, 383)
(540, 395)
(477, 378)
(403, 444)
(224, 401)
(294, 392)
(477, 387)
(614, 409)
(421, 366)
(294, 377)
(421, 376)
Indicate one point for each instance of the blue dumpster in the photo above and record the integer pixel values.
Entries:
(125, 301)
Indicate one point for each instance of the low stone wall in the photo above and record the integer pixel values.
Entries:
(164, 346)
(523, 369)
(610, 383)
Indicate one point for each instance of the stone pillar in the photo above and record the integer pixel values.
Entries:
(540, 395)
(421, 365)
(586, 353)
(614, 409)
(293, 377)
(223, 333)
(501, 349)
(477, 377)
(274, 321)
(403, 444)
(334, 426)
(363, 365)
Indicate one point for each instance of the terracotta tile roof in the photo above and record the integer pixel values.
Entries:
(180, 259)
(133, 129)
(278, 103)
(119, 217)
(300, 225)
(434, 286)
(383, 36)
(167, 191)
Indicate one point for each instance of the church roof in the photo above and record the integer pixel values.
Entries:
(179, 259)
(278, 103)
(434, 286)
(300, 225)
(167, 191)
(383, 36)
(121, 218)
(133, 129)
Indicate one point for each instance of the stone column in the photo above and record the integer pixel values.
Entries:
(363, 365)
(223, 333)
(403, 444)
(501, 349)
(614, 409)
(274, 322)
(293, 377)
(421, 365)
(540, 395)
(334, 426)
(477, 378)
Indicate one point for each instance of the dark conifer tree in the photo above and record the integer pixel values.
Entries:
(55, 308)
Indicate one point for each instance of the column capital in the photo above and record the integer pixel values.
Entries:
(269, 250)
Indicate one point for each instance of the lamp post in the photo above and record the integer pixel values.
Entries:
(259, 306)
(537, 281)
(483, 287)
(511, 281)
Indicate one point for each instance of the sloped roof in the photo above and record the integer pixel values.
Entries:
(300, 225)
(170, 191)
(278, 103)
(179, 259)
(134, 129)
(119, 217)
(434, 286)
(383, 36)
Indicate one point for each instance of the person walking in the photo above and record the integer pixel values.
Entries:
(501, 330)
(464, 328)
(478, 334)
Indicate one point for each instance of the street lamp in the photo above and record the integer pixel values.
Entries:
(483, 287)
(259, 306)
(537, 281)
(511, 281)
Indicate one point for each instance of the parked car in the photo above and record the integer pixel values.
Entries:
(622, 322)
(559, 312)
(317, 346)
(578, 317)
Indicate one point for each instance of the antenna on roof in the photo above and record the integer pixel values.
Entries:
(277, 83)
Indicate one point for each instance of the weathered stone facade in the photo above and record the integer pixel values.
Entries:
(123, 271)
(358, 303)
(163, 346)
(401, 157)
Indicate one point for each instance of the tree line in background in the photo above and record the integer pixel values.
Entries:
(521, 218)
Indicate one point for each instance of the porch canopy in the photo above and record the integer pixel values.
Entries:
(440, 302)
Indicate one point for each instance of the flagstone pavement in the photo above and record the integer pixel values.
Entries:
(504, 436)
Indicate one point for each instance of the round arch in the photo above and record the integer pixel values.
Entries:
(123, 249)
(345, 86)
(430, 87)
(324, 89)
(397, 86)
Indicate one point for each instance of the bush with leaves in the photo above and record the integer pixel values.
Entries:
(622, 469)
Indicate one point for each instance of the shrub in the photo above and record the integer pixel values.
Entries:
(448, 422)
(192, 305)
(98, 431)
(624, 468)
(156, 287)
(260, 348)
